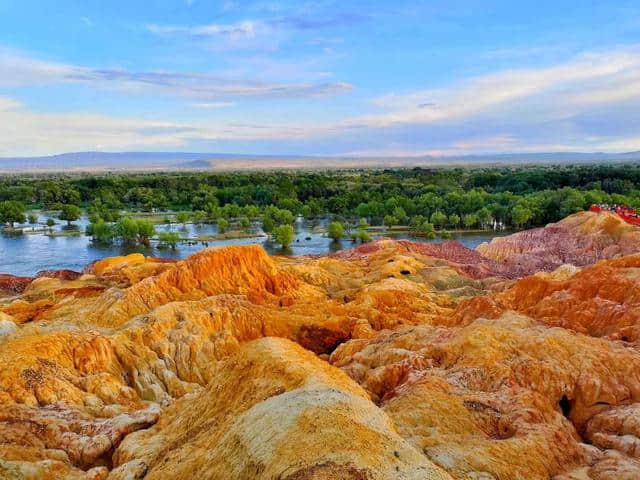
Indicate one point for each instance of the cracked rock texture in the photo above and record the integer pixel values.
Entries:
(394, 360)
(580, 239)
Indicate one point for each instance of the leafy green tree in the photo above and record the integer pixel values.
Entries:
(283, 217)
(316, 207)
(335, 231)
(146, 230)
(362, 224)
(12, 211)
(390, 220)
(572, 202)
(50, 223)
(284, 234)
(213, 210)
(400, 214)
(470, 220)
(32, 218)
(231, 210)
(199, 217)
(363, 236)
(100, 232)
(306, 212)
(520, 215)
(268, 224)
(183, 217)
(484, 216)
(428, 229)
(416, 223)
(439, 219)
(70, 213)
(252, 212)
(168, 240)
(454, 220)
(127, 229)
(420, 226)
(223, 225)
(291, 204)
(245, 224)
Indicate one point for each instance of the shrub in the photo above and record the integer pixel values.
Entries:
(11, 212)
(335, 231)
(168, 239)
(146, 230)
(223, 225)
(283, 234)
(127, 229)
(70, 213)
(100, 231)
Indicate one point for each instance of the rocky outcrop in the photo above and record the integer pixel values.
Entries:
(508, 397)
(464, 260)
(12, 284)
(602, 300)
(273, 410)
(393, 360)
(580, 239)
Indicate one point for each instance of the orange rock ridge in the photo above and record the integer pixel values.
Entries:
(393, 360)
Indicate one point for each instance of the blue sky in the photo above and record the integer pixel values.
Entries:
(319, 77)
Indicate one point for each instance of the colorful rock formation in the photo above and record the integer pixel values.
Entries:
(391, 361)
(580, 239)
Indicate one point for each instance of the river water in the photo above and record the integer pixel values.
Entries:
(28, 254)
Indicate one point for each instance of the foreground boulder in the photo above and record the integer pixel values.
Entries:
(273, 410)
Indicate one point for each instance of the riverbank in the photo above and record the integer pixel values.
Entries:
(70, 249)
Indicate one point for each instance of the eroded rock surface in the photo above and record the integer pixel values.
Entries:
(391, 361)
(580, 239)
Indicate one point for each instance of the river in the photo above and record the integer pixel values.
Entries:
(28, 254)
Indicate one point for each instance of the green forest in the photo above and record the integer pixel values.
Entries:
(423, 199)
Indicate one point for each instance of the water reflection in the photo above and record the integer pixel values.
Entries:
(68, 247)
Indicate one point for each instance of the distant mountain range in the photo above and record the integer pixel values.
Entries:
(149, 161)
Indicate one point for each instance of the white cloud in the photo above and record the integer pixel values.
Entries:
(245, 34)
(588, 103)
(542, 93)
(20, 70)
(8, 104)
(33, 133)
(213, 105)
(246, 28)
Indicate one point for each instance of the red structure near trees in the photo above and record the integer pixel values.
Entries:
(625, 212)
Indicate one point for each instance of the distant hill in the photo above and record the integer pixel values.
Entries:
(149, 161)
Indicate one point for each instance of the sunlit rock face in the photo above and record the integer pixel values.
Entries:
(580, 239)
(390, 361)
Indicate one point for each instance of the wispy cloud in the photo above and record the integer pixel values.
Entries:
(22, 70)
(320, 22)
(245, 29)
(8, 104)
(536, 94)
(34, 133)
(589, 102)
(261, 33)
(213, 105)
(242, 35)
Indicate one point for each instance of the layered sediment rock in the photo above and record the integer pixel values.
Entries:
(274, 410)
(393, 360)
(581, 239)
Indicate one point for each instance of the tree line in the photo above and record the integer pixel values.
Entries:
(424, 199)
